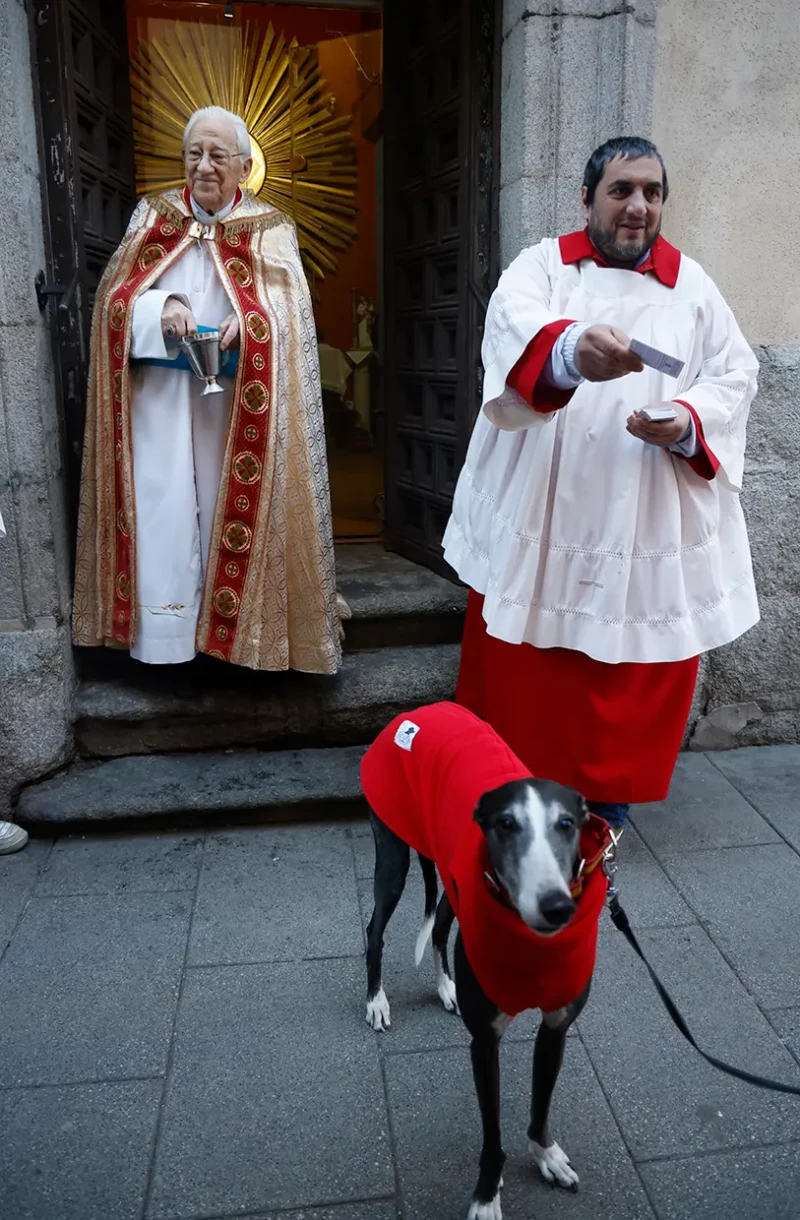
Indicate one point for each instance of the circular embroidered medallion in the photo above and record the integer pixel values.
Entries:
(234, 240)
(150, 256)
(118, 451)
(118, 385)
(251, 433)
(246, 468)
(239, 272)
(232, 569)
(123, 586)
(116, 314)
(255, 397)
(258, 361)
(237, 537)
(167, 229)
(216, 654)
(120, 619)
(242, 503)
(119, 421)
(226, 602)
(118, 350)
(222, 633)
(257, 327)
(122, 522)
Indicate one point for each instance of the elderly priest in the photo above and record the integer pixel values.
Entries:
(205, 521)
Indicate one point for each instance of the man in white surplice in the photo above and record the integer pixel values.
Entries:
(604, 552)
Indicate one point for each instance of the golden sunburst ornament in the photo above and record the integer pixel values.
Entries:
(303, 154)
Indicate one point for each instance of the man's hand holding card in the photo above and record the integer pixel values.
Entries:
(664, 432)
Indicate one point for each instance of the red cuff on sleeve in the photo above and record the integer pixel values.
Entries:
(705, 463)
(524, 377)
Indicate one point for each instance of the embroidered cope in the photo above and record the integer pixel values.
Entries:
(205, 521)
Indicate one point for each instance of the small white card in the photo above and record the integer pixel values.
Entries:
(657, 415)
(404, 737)
(657, 360)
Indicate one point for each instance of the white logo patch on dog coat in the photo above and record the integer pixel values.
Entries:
(404, 737)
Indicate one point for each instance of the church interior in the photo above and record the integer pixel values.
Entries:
(308, 82)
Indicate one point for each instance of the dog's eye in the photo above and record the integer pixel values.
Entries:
(506, 825)
(565, 823)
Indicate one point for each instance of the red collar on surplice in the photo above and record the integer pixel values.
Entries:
(663, 260)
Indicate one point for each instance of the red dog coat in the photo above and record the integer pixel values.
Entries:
(424, 776)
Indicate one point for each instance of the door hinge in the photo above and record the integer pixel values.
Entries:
(45, 290)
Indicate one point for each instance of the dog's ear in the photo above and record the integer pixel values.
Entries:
(485, 810)
(583, 810)
(496, 800)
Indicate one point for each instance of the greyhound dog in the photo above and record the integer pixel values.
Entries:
(517, 857)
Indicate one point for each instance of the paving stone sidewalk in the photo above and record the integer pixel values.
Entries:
(182, 1031)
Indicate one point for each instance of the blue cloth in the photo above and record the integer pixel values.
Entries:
(615, 815)
(228, 364)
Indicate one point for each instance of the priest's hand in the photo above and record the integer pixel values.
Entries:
(664, 434)
(229, 332)
(177, 320)
(602, 354)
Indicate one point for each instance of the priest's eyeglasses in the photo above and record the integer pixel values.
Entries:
(217, 157)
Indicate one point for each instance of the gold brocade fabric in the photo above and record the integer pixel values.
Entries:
(286, 615)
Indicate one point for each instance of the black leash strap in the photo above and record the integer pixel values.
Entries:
(621, 921)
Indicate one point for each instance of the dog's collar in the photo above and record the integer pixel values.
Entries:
(603, 839)
(497, 890)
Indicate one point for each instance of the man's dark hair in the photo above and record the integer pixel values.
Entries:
(629, 148)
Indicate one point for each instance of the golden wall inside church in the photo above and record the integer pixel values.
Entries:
(344, 274)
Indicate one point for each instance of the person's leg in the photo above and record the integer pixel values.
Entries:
(12, 838)
(169, 567)
(616, 814)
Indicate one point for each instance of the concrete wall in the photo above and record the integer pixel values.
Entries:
(751, 690)
(574, 73)
(36, 667)
(727, 119)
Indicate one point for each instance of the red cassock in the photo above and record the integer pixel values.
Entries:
(424, 776)
(613, 732)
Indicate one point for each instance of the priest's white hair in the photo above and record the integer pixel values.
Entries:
(219, 112)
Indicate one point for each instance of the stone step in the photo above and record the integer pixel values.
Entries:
(198, 789)
(166, 708)
(394, 603)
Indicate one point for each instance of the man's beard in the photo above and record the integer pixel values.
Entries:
(605, 242)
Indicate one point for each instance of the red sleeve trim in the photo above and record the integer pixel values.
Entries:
(705, 462)
(525, 375)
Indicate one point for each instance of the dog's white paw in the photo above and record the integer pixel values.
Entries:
(378, 1012)
(554, 1165)
(485, 1211)
(447, 992)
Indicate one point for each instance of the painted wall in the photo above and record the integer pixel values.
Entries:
(727, 119)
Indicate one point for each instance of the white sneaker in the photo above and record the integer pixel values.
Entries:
(12, 838)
